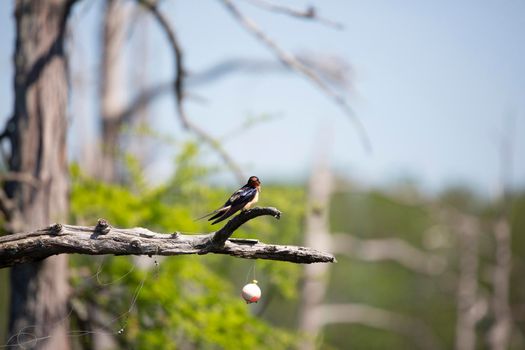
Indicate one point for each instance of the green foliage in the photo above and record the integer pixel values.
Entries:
(194, 301)
(185, 300)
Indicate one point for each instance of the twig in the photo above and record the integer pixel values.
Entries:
(293, 63)
(309, 13)
(104, 239)
(178, 88)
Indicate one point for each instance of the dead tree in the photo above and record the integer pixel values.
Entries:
(36, 134)
(112, 87)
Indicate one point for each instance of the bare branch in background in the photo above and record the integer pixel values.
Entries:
(378, 318)
(178, 89)
(310, 13)
(331, 68)
(293, 63)
(393, 249)
(104, 239)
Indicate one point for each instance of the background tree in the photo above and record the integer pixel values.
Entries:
(37, 193)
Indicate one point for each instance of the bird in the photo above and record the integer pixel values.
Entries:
(242, 199)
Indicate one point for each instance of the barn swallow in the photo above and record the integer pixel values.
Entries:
(241, 199)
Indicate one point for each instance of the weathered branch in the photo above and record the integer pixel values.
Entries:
(104, 239)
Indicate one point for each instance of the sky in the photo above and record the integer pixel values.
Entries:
(434, 83)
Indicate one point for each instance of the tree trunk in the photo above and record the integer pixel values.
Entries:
(315, 278)
(112, 87)
(467, 295)
(37, 135)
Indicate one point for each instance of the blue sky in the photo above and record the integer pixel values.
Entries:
(433, 82)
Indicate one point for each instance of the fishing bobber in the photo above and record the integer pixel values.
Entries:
(251, 292)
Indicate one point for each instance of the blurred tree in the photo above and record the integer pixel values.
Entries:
(112, 87)
(38, 190)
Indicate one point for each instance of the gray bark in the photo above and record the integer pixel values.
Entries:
(37, 136)
(104, 239)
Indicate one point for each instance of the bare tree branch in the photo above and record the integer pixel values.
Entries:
(393, 249)
(378, 318)
(309, 13)
(178, 88)
(104, 239)
(330, 68)
(293, 63)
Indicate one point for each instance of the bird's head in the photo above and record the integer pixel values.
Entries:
(254, 181)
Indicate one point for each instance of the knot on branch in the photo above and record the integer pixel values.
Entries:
(135, 243)
(56, 229)
(102, 227)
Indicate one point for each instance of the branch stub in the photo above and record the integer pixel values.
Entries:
(102, 227)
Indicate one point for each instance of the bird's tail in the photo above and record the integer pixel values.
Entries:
(205, 216)
(215, 213)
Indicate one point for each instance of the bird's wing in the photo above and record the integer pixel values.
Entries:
(241, 196)
(236, 202)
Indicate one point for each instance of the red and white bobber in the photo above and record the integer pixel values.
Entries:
(251, 292)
